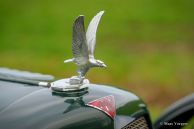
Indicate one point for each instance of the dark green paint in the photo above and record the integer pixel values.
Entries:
(24, 106)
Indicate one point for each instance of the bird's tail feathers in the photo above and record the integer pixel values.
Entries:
(68, 60)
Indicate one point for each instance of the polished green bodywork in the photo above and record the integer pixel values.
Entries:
(26, 106)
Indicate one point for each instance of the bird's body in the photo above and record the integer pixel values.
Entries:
(83, 45)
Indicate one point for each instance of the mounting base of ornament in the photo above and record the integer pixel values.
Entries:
(70, 84)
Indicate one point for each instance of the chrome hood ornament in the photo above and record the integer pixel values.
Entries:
(83, 46)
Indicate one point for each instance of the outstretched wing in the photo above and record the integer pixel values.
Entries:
(79, 46)
(91, 33)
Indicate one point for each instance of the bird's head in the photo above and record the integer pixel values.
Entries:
(101, 63)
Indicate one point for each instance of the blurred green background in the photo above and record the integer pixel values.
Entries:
(148, 45)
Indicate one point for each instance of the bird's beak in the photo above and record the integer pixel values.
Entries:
(104, 65)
